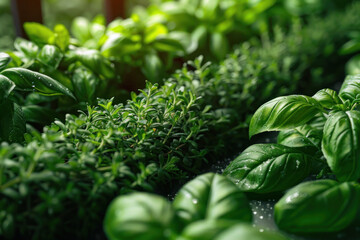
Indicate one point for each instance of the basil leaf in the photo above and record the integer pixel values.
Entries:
(12, 127)
(350, 88)
(28, 80)
(266, 168)
(5, 59)
(80, 29)
(27, 48)
(352, 67)
(96, 62)
(341, 144)
(166, 44)
(327, 98)
(62, 37)
(38, 33)
(211, 196)
(152, 68)
(38, 114)
(244, 231)
(218, 45)
(304, 136)
(318, 206)
(6, 87)
(139, 216)
(205, 229)
(284, 113)
(119, 45)
(50, 56)
(85, 85)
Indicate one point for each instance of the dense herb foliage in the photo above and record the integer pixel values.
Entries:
(59, 184)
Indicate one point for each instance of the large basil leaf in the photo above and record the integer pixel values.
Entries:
(6, 87)
(244, 232)
(5, 59)
(327, 98)
(304, 136)
(50, 56)
(96, 62)
(85, 84)
(27, 48)
(266, 168)
(350, 88)
(341, 144)
(140, 216)
(38, 33)
(284, 113)
(12, 127)
(80, 28)
(117, 45)
(318, 206)
(28, 80)
(205, 229)
(211, 196)
(152, 68)
(352, 67)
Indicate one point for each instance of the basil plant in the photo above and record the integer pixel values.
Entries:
(208, 207)
(319, 135)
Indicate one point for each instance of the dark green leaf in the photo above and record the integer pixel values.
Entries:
(284, 113)
(29, 49)
(266, 168)
(38, 114)
(327, 98)
(211, 196)
(38, 33)
(50, 56)
(341, 144)
(350, 88)
(5, 59)
(12, 127)
(304, 136)
(152, 68)
(6, 87)
(85, 85)
(27, 80)
(140, 216)
(318, 206)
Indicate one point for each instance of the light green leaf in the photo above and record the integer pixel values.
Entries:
(6, 87)
(350, 88)
(28, 80)
(267, 168)
(352, 67)
(140, 216)
(205, 229)
(327, 98)
(212, 197)
(118, 45)
(62, 37)
(80, 28)
(50, 56)
(5, 59)
(284, 113)
(318, 206)
(341, 144)
(38, 33)
(29, 49)
(248, 232)
(166, 44)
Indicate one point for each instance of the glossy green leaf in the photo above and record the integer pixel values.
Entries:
(80, 28)
(351, 46)
(352, 67)
(284, 113)
(211, 196)
(154, 31)
(267, 168)
(341, 144)
(318, 206)
(218, 45)
(6, 87)
(118, 45)
(304, 136)
(12, 127)
(5, 59)
(96, 62)
(85, 85)
(50, 56)
(29, 49)
(28, 80)
(38, 33)
(39, 114)
(350, 88)
(328, 98)
(140, 216)
(244, 231)
(62, 37)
